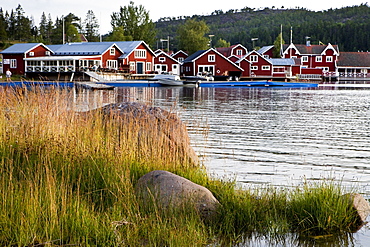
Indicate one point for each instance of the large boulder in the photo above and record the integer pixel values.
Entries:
(168, 190)
(155, 124)
(361, 207)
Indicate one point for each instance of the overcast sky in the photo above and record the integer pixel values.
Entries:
(157, 8)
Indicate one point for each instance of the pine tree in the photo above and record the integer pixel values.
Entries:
(91, 27)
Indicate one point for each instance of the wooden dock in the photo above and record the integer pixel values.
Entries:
(93, 86)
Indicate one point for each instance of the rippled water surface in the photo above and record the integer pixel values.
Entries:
(279, 137)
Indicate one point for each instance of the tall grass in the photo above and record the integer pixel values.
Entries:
(68, 178)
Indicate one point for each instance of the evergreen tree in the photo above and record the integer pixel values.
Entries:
(22, 25)
(43, 28)
(135, 22)
(3, 26)
(191, 36)
(91, 27)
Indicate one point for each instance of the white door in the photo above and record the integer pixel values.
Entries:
(175, 69)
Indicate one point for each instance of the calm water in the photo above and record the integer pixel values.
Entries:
(271, 136)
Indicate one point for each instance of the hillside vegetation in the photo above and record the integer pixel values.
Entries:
(346, 27)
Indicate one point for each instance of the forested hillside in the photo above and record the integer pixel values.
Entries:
(347, 27)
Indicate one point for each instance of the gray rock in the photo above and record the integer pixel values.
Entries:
(170, 190)
(361, 206)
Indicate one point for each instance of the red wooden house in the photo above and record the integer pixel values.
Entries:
(237, 51)
(180, 56)
(13, 57)
(314, 56)
(164, 63)
(258, 65)
(210, 61)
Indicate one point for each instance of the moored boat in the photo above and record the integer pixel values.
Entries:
(168, 80)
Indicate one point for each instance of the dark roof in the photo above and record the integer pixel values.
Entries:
(354, 59)
(194, 55)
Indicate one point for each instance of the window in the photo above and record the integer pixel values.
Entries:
(329, 59)
(112, 64)
(254, 58)
(13, 63)
(254, 67)
(112, 51)
(132, 66)
(266, 67)
(181, 59)
(31, 54)
(319, 59)
(266, 56)
(140, 53)
(47, 53)
(304, 59)
(239, 52)
(162, 59)
(206, 68)
(211, 58)
(148, 66)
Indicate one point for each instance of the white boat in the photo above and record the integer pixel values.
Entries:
(168, 79)
(200, 77)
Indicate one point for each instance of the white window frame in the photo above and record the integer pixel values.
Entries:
(266, 67)
(208, 68)
(112, 64)
(254, 58)
(13, 63)
(239, 52)
(162, 59)
(140, 53)
(47, 53)
(212, 58)
(132, 66)
(304, 59)
(181, 59)
(112, 51)
(148, 66)
(329, 59)
(31, 54)
(318, 59)
(254, 67)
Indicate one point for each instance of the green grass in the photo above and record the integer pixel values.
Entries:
(68, 179)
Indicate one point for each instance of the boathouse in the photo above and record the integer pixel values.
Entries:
(14, 56)
(322, 57)
(164, 63)
(354, 66)
(210, 62)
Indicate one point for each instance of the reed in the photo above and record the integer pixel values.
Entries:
(68, 179)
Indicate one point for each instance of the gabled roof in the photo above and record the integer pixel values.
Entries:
(127, 47)
(93, 48)
(354, 59)
(228, 51)
(264, 49)
(194, 56)
(255, 52)
(162, 53)
(21, 48)
(178, 52)
(201, 53)
(311, 49)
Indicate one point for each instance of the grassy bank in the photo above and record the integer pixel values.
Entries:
(68, 179)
